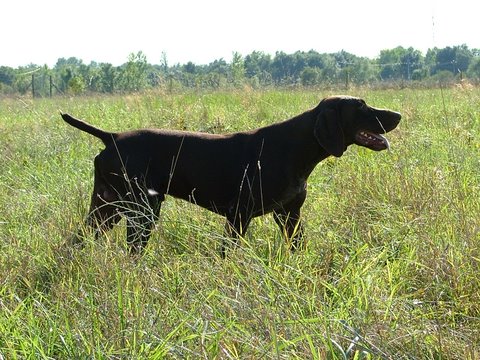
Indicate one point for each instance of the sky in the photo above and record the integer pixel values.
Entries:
(201, 31)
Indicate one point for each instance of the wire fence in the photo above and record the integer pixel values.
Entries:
(40, 82)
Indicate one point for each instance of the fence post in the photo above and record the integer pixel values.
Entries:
(33, 86)
(51, 85)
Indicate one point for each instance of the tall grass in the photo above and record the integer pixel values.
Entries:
(391, 268)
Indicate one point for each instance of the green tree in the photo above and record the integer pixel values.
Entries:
(7, 75)
(107, 78)
(190, 68)
(133, 75)
(315, 60)
(455, 59)
(310, 76)
(329, 71)
(389, 62)
(431, 60)
(257, 63)
(258, 68)
(66, 69)
(23, 78)
(282, 66)
(77, 84)
(400, 63)
(219, 66)
(411, 61)
(7, 78)
(474, 69)
(362, 71)
(237, 68)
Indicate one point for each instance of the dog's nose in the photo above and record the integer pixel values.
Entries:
(396, 116)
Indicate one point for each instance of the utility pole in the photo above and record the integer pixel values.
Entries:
(408, 70)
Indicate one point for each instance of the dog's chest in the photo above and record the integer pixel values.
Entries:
(292, 190)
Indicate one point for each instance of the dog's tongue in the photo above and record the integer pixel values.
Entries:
(382, 139)
(385, 141)
(372, 140)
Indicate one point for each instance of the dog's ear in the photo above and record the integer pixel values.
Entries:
(329, 132)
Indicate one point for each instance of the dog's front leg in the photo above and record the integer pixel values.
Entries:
(235, 226)
(102, 215)
(140, 223)
(288, 219)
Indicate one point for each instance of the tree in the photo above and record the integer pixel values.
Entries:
(257, 63)
(315, 60)
(329, 71)
(431, 60)
(389, 62)
(7, 75)
(410, 61)
(164, 62)
(310, 76)
(219, 66)
(258, 68)
(237, 69)
(77, 84)
(133, 75)
(400, 63)
(362, 71)
(455, 59)
(474, 68)
(66, 69)
(190, 67)
(107, 78)
(463, 57)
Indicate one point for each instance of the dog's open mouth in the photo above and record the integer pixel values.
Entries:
(371, 140)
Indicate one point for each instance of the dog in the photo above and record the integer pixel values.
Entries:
(239, 175)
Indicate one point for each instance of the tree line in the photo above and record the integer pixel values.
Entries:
(258, 69)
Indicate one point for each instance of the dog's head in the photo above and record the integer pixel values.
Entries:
(345, 120)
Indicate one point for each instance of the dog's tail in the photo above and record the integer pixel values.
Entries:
(105, 136)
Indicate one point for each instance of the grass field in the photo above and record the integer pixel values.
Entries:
(391, 269)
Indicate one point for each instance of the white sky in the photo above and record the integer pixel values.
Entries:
(41, 31)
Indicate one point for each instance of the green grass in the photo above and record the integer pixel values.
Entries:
(391, 268)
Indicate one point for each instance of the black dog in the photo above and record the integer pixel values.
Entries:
(240, 175)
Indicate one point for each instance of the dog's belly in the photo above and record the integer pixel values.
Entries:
(217, 202)
(250, 197)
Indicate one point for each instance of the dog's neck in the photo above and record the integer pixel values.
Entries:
(308, 151)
